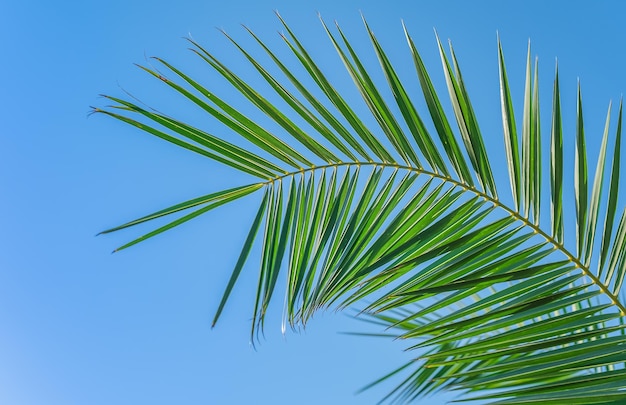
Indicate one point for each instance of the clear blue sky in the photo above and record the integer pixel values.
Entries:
(81, 326)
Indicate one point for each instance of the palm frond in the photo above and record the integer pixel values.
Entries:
(410, 228)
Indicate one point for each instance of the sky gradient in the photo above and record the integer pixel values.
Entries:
(79, 325)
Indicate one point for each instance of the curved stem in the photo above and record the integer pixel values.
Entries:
(614, 300)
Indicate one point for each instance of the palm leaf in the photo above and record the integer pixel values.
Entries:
(392, 221)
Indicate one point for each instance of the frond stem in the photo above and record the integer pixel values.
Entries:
(557, 245)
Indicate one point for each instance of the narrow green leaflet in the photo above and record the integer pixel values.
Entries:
(319, 107)
(245, 251)
(580, 177)
(314, 235)
(299, 256)
(583, 381)
(511, 142)
(213, 202)
(205, 199)
(556, 163)
(517, 260)
(532, 337)
(535, 150)
(596, 193)
(238, 155)
(299, 108)
(334, 225)
(619, 247)
(474, 135)
(613, 195)
(268, 255)
(527, 138)
(280, 244)
(383, 114)
(233, 119)
(350, 233)
(439, 118)
(183, 144)
(272, 111)
(409, 113)
(314, 71)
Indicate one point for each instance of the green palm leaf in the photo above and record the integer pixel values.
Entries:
(410, 228)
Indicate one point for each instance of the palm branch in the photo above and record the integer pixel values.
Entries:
(404, 221)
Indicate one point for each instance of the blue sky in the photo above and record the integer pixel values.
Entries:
(81, 326)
